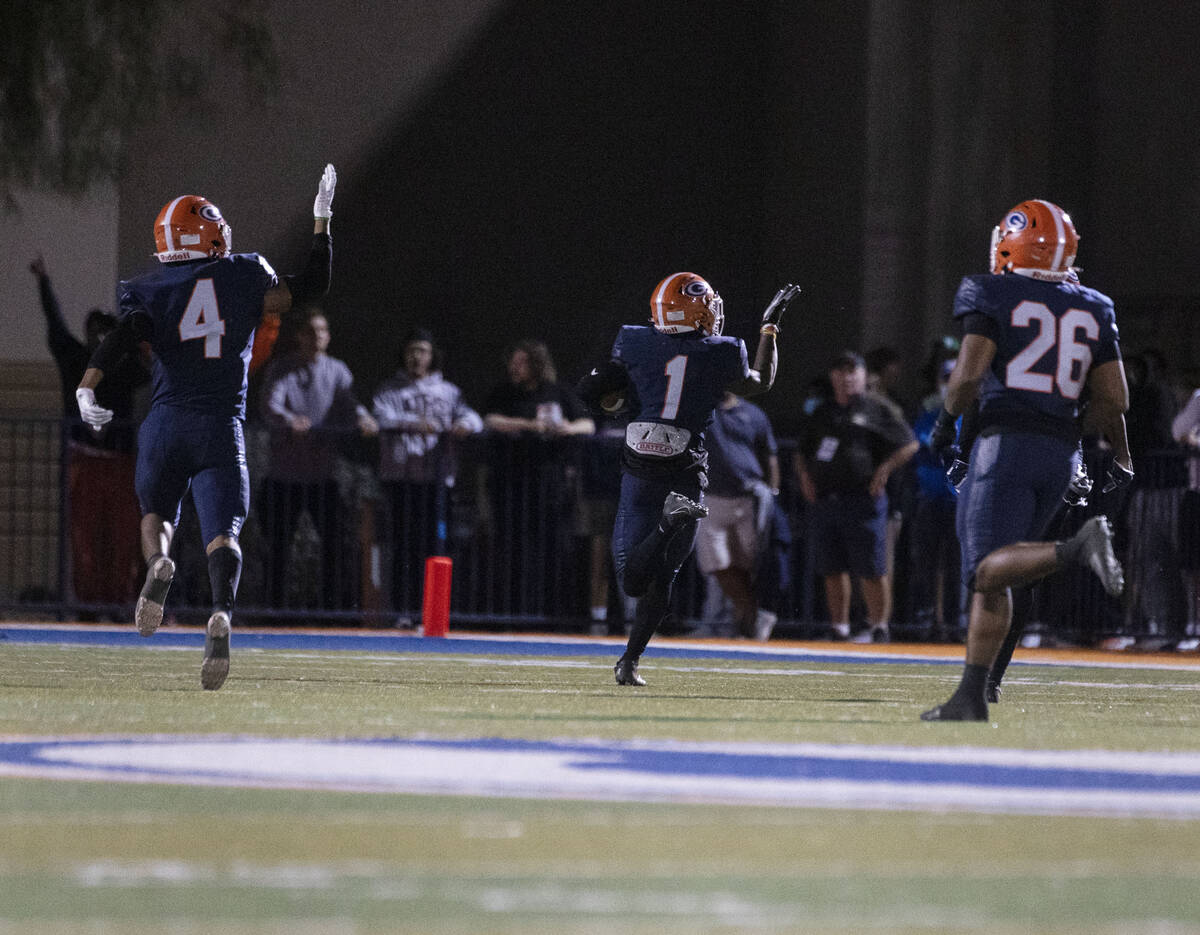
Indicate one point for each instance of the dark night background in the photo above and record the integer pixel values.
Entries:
(540, 180)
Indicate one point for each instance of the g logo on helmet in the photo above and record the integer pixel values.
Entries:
(696, 288)
(1016, 221)
(210, 212)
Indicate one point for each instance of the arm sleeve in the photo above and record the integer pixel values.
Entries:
(1187, 419)
(465, 416)
(610, 377)
(313, 282)
(981, 324)
(123, 339)
(274, 405)
(1109, 347)
(572, 406)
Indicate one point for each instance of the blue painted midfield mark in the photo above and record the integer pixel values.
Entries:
(793, 775)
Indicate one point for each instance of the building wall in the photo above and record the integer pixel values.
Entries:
(515, 169)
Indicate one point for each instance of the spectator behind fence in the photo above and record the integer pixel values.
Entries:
(531, 416)
(1186, 429)
(310, 408)
(848, 448)
(193, 436)
(743, 481)
(935, 591)
(419, 414)
(103, 508)
(1154, 605)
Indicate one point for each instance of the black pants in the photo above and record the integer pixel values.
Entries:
(282, 504)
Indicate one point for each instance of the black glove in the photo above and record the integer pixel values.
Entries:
(779, 305)
(941, 438)
(1118, 477)
(1080, 487)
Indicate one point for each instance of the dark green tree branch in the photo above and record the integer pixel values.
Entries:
(76, 76)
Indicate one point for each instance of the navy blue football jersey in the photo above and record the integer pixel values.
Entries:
(1048, 336)
(203, 315)
(678, 379)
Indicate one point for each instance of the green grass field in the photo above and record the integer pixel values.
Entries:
(86, 856)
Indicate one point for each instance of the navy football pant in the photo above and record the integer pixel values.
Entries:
(645, 559)
(1012, 491)
(182, 448)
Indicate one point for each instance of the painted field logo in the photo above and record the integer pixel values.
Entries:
(797, 775)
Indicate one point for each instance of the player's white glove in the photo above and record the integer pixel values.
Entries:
(90, 411)
(323, 205)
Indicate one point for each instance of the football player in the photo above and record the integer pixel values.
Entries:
(671, 373)
(1034, 338)
(199, 311)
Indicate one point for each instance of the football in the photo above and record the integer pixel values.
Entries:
(612, 402)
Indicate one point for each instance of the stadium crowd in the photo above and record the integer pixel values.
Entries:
(845, 531)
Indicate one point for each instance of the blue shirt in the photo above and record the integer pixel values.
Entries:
(1048, 336)
(739, 439)
(202, 317)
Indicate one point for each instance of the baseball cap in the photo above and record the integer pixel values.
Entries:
(847, 358)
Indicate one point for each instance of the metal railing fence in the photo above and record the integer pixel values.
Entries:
(527, 524)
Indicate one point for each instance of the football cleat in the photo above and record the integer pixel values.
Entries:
(148, 613)
(626, 672)
(1036, 239)
(678, 509)
(216, 652)
(957, 709)
(190, 228)
(993, 692)
(1097, 554)
(686, 302)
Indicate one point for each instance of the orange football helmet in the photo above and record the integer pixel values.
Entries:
(1036, 239)
(686, 302)
(190, 228)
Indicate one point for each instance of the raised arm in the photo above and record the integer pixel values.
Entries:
(766, 358)
(312, 283)
(58, 335)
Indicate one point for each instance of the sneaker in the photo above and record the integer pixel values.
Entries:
(626, 672)
(839, 632)
(1097, 554)
(216, 652)
(872, 635)
(764, 625)
(148, 613)
(678, 509)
